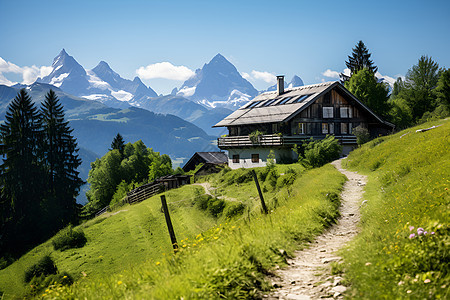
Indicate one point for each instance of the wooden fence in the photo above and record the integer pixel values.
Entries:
(135, 196)
(144, 192)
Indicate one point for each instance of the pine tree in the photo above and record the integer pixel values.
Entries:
(360, 59)
(22, 174)
(61, 161)
(118, 143)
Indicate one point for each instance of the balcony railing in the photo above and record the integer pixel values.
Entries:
(276, 140)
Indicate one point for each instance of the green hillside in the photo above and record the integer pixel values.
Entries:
(408, 189)
(226, 245)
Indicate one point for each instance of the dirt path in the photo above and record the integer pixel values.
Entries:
(309, 273)
(206, 186)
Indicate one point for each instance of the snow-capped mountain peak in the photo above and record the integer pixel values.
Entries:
(216, 83)
(67, 74)
(295, 81)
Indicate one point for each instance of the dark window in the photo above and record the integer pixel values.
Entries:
(284, 100)
(269, 102)
(253, 104)
(301, 98)
(255, 158)
(235, 158)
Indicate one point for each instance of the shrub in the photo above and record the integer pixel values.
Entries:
(262, 174)
(216, 206)
(43, 267)
(254, 136)
(121, 192)
(5, 261)
(213, 205)
(271, 179)
(69, 238)
(239, 176)
(318, 153)
(202, 201)
(286, 180)
(271, 159)
(234, 209)
(362, 135)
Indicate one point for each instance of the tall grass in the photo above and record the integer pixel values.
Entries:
(230, 259)
(407, 191)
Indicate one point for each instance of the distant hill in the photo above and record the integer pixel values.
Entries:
(96, 124)
(188, 110)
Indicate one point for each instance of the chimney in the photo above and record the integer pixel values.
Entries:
(280, 84)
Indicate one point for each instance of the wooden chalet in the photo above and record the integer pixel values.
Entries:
(210, 160)
(289, 117)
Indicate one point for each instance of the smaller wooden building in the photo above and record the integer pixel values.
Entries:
(210, 160)
(173, 181)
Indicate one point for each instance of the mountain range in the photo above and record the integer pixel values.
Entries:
(204, 99)
(101, 83)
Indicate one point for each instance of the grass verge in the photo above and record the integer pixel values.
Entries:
(402, 251)
(227, 260)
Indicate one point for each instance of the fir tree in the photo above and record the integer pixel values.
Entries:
(118, 143)
(22, 174)
(61, 161)
(360, 59)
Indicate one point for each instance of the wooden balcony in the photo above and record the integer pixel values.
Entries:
(276, 140)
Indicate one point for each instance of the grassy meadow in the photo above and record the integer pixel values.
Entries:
(403, 249)
(226, 245)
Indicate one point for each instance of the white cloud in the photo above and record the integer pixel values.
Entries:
(8, 67)
(265, 76)
(331, 74)
(29, 74)
(165, 70)
(347, 72)
(254, 75)
(388, 79)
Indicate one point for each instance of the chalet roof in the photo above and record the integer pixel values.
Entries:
(205, 157)
(214, 157)
(270, 107)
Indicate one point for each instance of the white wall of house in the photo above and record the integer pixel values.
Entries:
(247, 157)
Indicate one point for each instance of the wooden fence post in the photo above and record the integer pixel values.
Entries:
(169, 223)
(263, 204)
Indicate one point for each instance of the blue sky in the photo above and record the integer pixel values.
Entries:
(260, 38)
